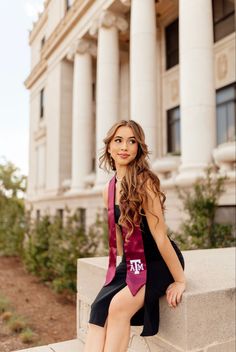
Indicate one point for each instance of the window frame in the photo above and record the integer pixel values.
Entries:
(42, 99)
(168, 132)
(224, 17)
(169, 51)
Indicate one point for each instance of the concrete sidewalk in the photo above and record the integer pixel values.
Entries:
(75, 345)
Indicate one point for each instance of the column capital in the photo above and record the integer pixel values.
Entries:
(82, 46)
(108, 19)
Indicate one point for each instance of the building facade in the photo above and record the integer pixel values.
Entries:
(168, 64)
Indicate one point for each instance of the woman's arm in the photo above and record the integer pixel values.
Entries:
(159, 232)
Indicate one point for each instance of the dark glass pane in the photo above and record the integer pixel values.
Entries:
(221, 124)
(229, 6)
(226, 94)
(173, 130)
(41, 103)
(218, 10)
(231, 114)
(172, 44)
(177, 136)
(224, 27)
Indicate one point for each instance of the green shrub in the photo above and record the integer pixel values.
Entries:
(35, 256)
(200, 230)
(52, 248)
(12, 217)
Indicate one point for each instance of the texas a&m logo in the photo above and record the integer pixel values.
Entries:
(136, 265)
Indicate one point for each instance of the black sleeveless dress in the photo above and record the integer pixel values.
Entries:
(158, 279)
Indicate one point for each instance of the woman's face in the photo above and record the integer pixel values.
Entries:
(123, 146)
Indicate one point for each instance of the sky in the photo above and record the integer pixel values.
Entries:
(16, 18)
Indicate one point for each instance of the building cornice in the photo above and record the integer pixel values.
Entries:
(37, 26)
(77, 10)
(37, 71)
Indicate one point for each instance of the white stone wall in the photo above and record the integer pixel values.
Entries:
(51, 139)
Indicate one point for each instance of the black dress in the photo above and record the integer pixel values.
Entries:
(158, 279)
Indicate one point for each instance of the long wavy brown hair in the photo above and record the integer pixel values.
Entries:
(133, 185)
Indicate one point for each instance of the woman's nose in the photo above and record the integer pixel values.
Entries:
(124, 146)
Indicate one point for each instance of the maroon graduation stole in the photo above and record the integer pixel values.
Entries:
(134, 251)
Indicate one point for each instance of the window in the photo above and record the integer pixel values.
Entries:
(68, 4)
(81, 218)
(41, 103)
(225, 214)
(93, 164)
(42, 42)
(37, 215)
(226, 114)
(173, 131)
(172, 44)
(94, 91)
(223, 18)
(60, 215)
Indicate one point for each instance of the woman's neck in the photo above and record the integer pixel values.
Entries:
(120, 173)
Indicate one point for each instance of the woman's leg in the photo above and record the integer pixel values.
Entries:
(122, 307)
(95, 338)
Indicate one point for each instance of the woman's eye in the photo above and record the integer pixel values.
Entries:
(117, 140)
(132, 141)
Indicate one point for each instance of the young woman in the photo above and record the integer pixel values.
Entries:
(152, 264)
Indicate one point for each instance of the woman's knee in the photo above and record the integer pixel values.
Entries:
(117, 309)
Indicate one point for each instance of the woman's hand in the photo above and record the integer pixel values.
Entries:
(174, 293)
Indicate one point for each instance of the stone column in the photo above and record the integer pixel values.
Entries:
(107, 98)
(197, 91)
(143, 61)
(82, 113)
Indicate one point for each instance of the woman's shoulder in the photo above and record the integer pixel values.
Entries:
(146, 180)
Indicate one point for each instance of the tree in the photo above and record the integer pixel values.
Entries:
(12, 219)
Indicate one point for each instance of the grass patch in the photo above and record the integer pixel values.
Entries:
(4, 304)
(6, 316)
(16, 323)
(28, 336)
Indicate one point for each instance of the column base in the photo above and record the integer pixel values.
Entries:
(188, 174)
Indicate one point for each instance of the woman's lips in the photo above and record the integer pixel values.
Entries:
(123, 156)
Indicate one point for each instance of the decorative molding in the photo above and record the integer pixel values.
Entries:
(82, 46)
(108, 19)
(86, 46)
(38, 70)
(77, 10)
(37, 26)
(40, 133)
(174, 86)
(222, 66)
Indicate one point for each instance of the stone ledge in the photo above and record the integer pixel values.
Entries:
(203, 321)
